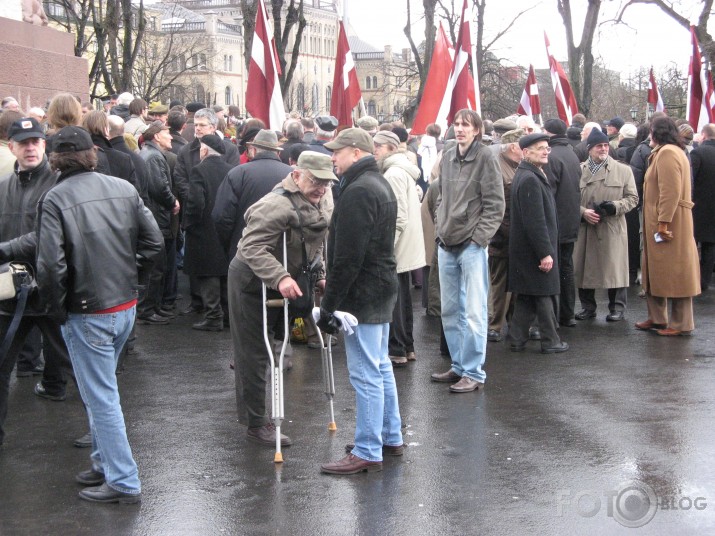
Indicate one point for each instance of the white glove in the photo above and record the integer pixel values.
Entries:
(347, 320)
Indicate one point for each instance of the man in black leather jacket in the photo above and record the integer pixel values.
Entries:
(93, 232)
(19, 193)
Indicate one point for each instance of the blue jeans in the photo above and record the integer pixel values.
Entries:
(94, 343)
(378, 420)
(464, 282)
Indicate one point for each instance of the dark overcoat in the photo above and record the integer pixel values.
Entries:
(702, 160)
(534, 233)
(205, 256)
(564, 174)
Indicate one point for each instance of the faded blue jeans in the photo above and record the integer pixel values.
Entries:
(464, 283)
(378, 420)
(94, 343)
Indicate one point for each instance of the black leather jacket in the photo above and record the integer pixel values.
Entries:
(19, 193)
(93, 233)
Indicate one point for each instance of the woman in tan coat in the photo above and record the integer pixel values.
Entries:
(670, 257)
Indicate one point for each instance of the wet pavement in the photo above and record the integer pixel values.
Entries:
(618, 431)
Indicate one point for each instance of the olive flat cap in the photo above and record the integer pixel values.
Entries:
(352, 137)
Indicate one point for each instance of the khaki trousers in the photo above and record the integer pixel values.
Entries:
(681, 312)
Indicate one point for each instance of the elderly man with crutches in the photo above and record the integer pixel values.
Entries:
(300, 208)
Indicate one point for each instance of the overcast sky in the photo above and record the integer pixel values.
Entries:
(651, 38)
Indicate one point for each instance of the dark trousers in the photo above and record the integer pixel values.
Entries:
(401, 340)
(196, 301)
(29, 356)
(249, 349)
(617, 299)
(567, 298)
(150, 297)
(525, 309)
(633, 227)
(707, 263)
(213, 296)
(57, 361)
(171, 279)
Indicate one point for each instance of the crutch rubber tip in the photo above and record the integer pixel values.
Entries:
(332, 427)
(278, 458)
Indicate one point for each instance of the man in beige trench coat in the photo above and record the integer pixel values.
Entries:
(670, 262)
(608, 191)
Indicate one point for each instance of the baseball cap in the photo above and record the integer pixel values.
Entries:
(352, 137)
(319, 164)
(71, 140)
(25, 128)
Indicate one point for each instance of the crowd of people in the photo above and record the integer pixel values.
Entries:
(501, 224)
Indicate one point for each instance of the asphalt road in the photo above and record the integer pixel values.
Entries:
(617, 431)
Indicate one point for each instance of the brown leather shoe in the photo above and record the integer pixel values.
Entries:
(266, 435)
(446, 377)
(387, 450)
(670, 332)
(465, 385)
(648, 325)
(398, 360)
(350, 465)
(411, 356)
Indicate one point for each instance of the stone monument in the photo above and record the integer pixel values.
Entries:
(37, 61)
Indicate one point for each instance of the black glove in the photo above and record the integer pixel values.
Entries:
(598, 210)
(5, 252)
(608, 207)
(328, 323)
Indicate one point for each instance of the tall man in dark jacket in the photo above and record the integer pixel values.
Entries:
(470, 210)
(362, 280)
(563, 171)
(205, 258)
(533, 248)
(702, 159)
(19, 194)
(116, 140)
(246, 184)
(90, 280)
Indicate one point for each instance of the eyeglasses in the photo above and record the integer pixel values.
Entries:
(319, 182)
(546, 149)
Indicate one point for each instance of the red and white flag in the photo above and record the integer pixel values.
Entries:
(346, 88)
(565, 99)
(436, 84)
(654, 97)
(700, 88)
(263, 92)
(530, 104)
(461, 91)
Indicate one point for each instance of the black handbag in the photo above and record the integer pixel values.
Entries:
(16, 283)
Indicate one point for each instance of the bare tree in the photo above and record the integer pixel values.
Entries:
(580, 57)
(294, 19)
(424, 60)
(701, 28)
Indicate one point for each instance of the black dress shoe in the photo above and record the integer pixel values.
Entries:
(190, 310)
(90, 477)
(105, 494)
(616, 316)
(210, 324)
(39, 390)
(153, 319)
(493, 335)
(34, 371)
(561, 347)
(570, 323)
(584, 314)
(534, 334)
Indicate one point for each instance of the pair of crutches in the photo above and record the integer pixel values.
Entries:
(277, 393)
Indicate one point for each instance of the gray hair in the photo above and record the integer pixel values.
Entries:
(208, 114)
(211, 151)
(116, 126)
(294, 130)
(324, 134)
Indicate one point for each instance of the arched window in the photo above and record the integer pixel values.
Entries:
(316, 99)
(368, 82)
(227, 96)
(371, 108)
(328, 98)
(374, 82)
(301, 97)
(230, 63)
(200, 93)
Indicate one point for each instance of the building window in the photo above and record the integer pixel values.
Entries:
(227, 96)
(368, 82)
(301, 97)
(200, 93)
(316, 99)
(328, 98)
(374, 82)
(230, 63)
(371, 109)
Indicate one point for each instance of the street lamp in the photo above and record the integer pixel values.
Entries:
(634, 113)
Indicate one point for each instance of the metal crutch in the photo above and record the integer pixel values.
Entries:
(326, 355)
(277, 397)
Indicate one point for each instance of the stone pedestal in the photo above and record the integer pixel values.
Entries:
(37, 62)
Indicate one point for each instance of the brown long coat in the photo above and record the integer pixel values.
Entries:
(600, 256)
(670, 269)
